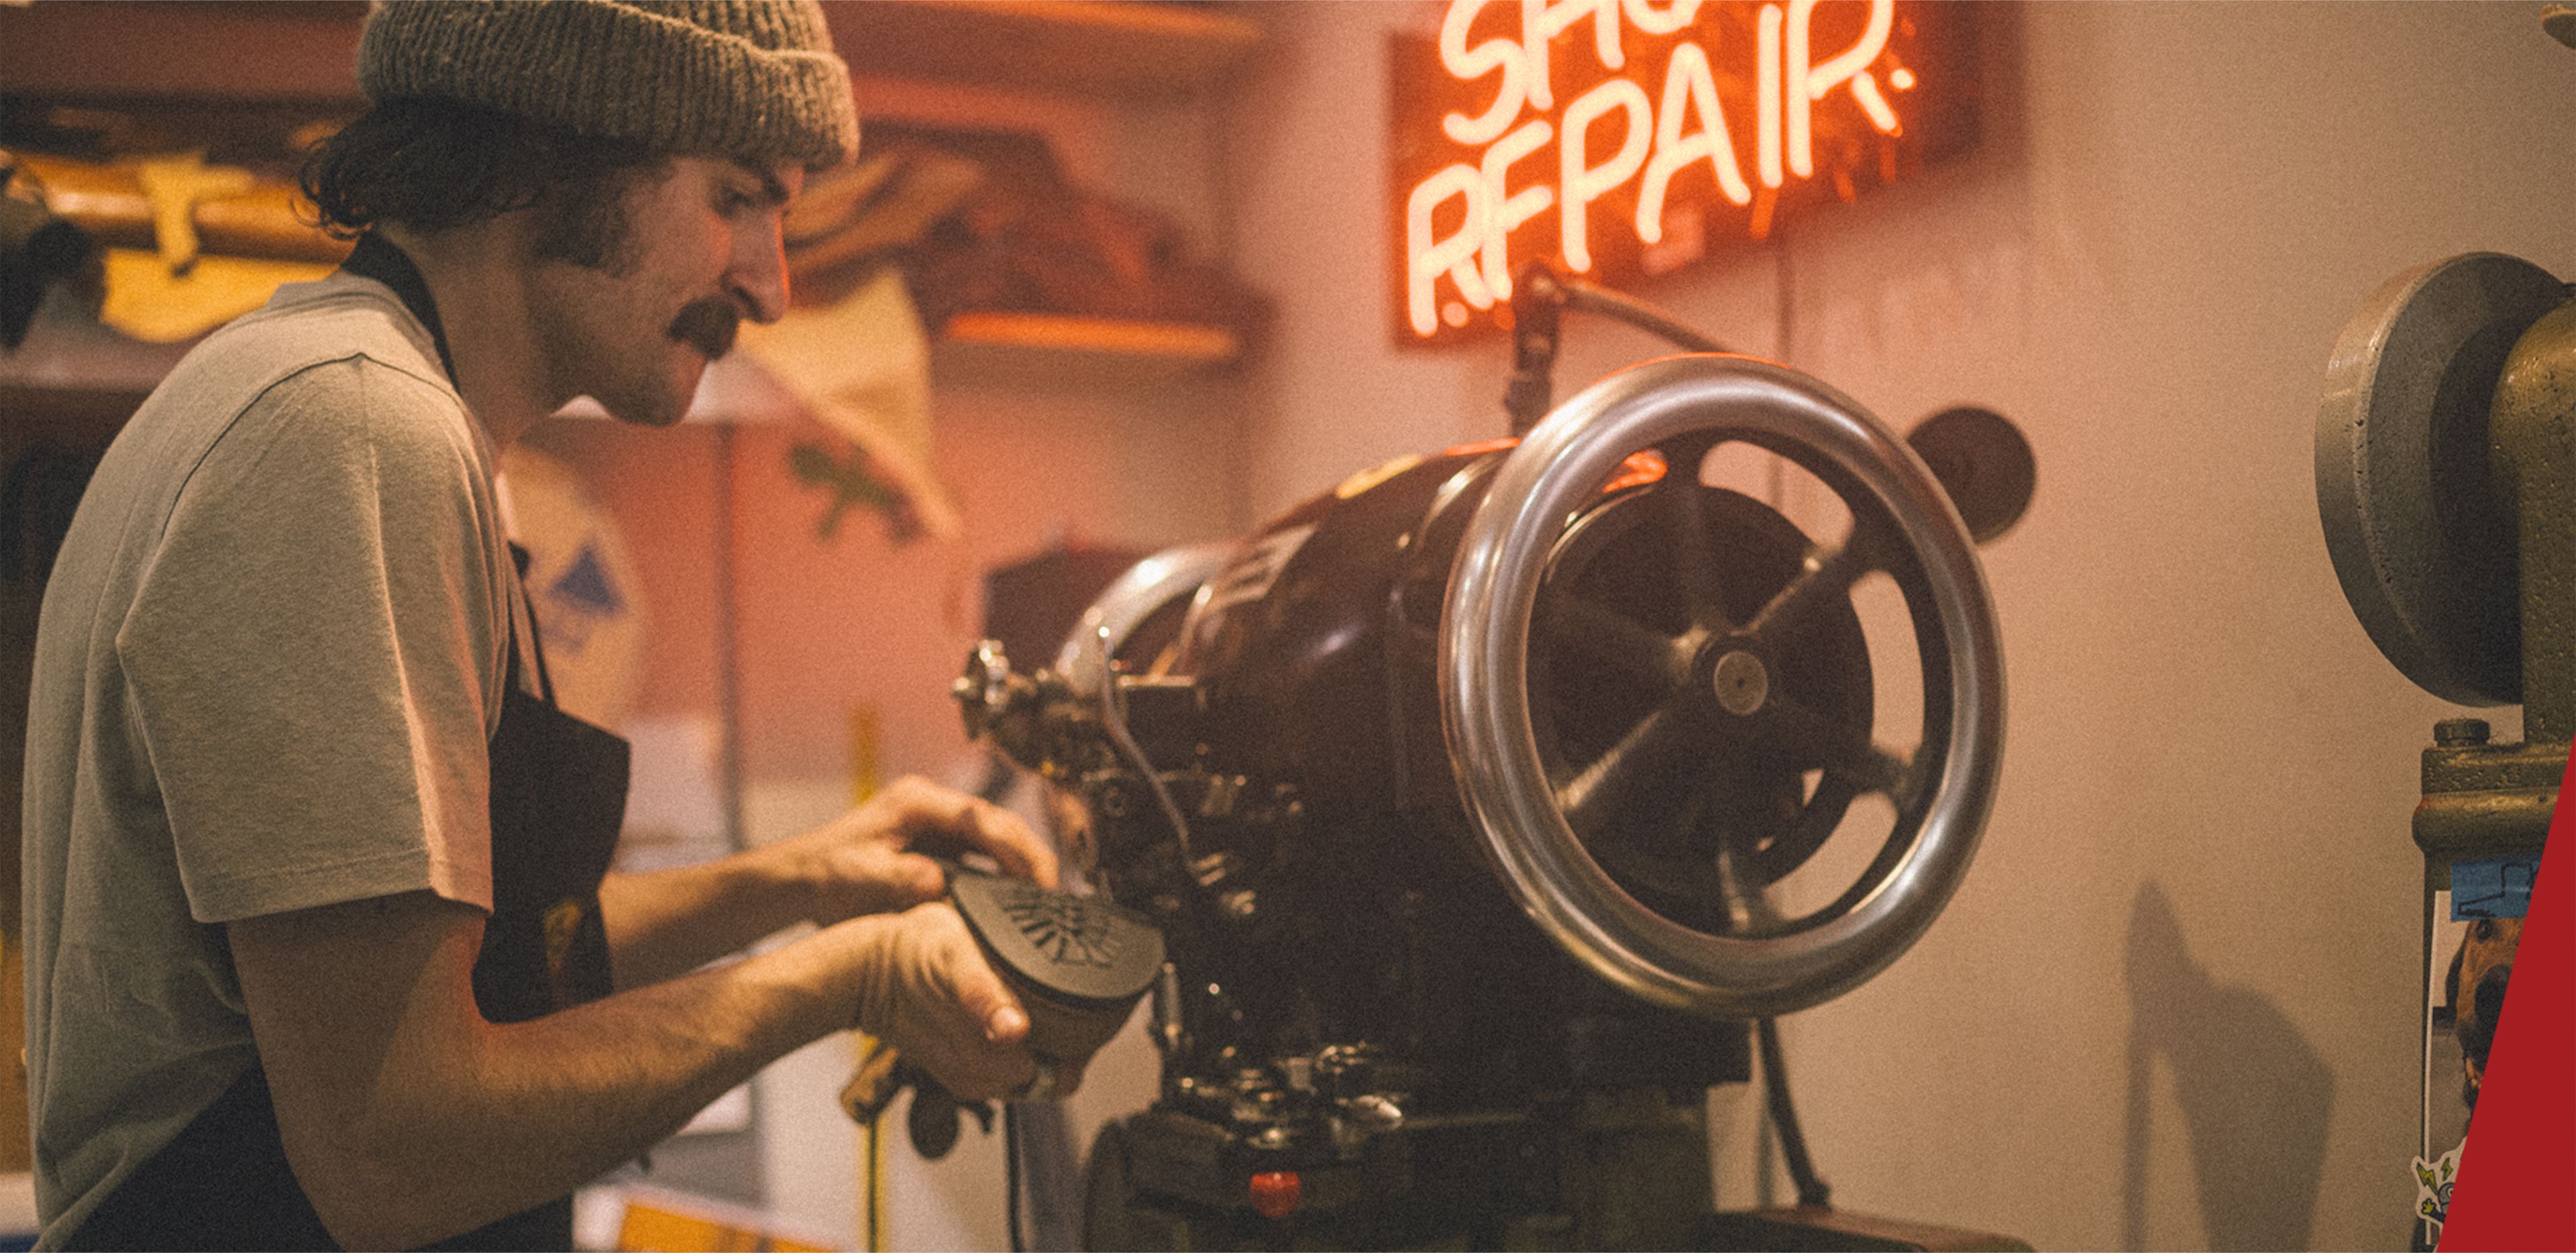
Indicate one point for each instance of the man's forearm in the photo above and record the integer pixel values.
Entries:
(868, 860)
(549, 1105)
(670, 922)
(437, 1122)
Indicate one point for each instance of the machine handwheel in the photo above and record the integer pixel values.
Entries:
(1638, 687)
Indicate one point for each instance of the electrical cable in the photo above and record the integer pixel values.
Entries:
(1113, 718)
(876, 1184)
(1812, 1191)
(728, 632)
(1784, 322)
(1539, 294)
(1623, 307)
(1011, 1177)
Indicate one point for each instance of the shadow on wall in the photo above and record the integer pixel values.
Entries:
(2255, 1095)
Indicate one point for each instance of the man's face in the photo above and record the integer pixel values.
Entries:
(700, 250)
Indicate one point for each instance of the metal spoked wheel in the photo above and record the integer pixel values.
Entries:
(1658, 699)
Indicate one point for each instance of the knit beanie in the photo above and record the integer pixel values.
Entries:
(753, 79)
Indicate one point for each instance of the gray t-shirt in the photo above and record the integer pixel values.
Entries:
(267, 672)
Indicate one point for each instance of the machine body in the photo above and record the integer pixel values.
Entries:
(2446, 483)
(1464, 794)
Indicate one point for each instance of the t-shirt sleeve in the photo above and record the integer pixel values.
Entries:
(309, 660)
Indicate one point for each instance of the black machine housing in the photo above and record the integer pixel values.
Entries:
(1353, 996)
(1377, 1028)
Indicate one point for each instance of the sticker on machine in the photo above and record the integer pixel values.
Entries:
(2475, 930)
(2445, 1110)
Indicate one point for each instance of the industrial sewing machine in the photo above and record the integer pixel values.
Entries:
(1471, 800)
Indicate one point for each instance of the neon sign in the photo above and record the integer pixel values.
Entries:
(1629, 137)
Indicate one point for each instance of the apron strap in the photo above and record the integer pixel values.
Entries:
(536, 636)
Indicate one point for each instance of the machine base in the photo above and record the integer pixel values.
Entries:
(1819, 1230)
(1606, 1170)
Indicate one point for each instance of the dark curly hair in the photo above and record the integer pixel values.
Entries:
(430, 165)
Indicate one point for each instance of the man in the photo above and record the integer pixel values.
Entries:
(319, 948)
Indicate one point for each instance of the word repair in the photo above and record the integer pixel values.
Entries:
(1611, 136)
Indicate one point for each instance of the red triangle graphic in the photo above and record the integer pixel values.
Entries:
(2517, 1184)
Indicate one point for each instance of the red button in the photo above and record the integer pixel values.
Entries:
(1274, 1192)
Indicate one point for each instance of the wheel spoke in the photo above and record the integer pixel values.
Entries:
(1748, 906)
(1843, 751)
(1623, 774)
(1608, 636)
(1694, 567)
(1823, 578)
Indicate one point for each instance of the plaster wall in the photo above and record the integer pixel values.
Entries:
(2173, 1006)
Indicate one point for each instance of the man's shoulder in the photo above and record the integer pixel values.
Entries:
(343, 320)
(356, 395)
(334, 362)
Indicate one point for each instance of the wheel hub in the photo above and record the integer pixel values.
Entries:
(1742, 682)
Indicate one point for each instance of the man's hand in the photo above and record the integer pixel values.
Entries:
(931, 996)
(876, 858)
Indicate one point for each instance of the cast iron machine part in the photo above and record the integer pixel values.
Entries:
(2446, 483)
(1460, 794)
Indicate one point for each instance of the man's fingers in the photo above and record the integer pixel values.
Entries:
(917, 878)
(982, 826)
(1000, 832)
(960, 1022)
(981, 994)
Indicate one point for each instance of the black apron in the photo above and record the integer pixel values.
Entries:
(558, 799)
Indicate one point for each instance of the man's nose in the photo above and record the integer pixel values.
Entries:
(759, 272)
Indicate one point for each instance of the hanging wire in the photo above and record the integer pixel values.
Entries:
(1113, 717)
(1011, 1177)
(728, 642)
(1539, 294)
(1812, 1191)
(876, 1182)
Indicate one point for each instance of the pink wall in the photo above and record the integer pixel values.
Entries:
(825, 625)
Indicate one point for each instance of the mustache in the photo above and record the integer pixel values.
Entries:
(708, 325)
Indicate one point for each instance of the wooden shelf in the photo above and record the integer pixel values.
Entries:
(1050, 349)
(1112, 48)
(269, 50)
(304, 51)
(1059, 332)
(26, 408)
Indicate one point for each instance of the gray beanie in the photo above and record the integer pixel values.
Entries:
(755, 79)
